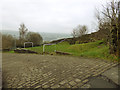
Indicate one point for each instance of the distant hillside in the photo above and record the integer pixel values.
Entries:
(54, 36)
(99, 35)
(46, 36)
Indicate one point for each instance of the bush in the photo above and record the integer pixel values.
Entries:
(8, 42)
(35, 38)
(20, 42)
(77, 42)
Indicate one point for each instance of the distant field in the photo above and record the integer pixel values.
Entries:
(92, 50)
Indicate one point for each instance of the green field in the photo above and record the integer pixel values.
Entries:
(92, 50)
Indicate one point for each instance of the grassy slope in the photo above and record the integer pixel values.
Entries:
(59, 47)
(93, 49)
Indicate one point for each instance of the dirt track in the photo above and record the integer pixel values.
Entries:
(39, 71)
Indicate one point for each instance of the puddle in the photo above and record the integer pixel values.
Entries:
(101, 82)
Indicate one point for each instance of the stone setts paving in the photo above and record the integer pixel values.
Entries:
(45, 71)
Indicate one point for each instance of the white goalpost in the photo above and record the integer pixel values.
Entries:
(27, 43)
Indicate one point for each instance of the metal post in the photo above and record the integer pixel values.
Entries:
(32, 44)
(28, 42)
(55, 47)
(43, 48)
(24, 45)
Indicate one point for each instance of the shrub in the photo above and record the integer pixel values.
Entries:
(20, 42)
(35, 38)
(8, 42)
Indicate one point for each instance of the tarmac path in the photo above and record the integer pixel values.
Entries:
(45, 71)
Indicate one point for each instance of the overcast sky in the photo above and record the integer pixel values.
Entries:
(59, 16)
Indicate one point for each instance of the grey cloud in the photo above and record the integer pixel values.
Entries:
(48, 15)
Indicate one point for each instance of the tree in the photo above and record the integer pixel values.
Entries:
(22, 31)
(108, 20)
(74, 33)
(119, 30)
(82, 30)
(79, 31)
(111, 13)
(104, 26)
(36, 38)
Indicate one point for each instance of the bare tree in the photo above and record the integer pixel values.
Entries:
(74, 33)
(79, 31)
(104, 25)
(118, 31)
(111, 12)
(110, 18)
(82, 30)
(22, 31)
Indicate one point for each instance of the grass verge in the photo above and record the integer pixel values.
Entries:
(96, 49)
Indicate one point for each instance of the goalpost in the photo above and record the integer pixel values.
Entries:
(27, 43)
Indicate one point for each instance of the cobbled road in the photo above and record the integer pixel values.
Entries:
(45, 71)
